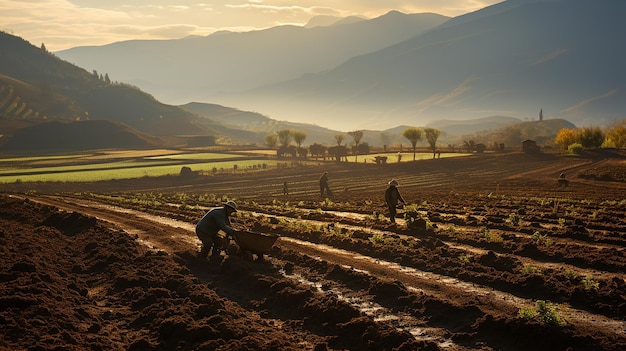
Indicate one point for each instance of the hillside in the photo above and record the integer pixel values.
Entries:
(36, 86)
(513, 58)
(259, 124)
(197, 68)
(57, 136)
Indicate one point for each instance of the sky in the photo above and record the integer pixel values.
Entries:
(63, 24)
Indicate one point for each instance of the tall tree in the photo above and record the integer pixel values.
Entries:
(616, 135)
(386, 139)
(414, 135)
(298, 137)
(339, 138)
(284, 137)
(271, 140)
(432, 135)
(356, 135)
(565, 137)
(590, 137)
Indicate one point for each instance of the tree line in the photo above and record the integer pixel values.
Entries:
(283, 138)
(592, 137)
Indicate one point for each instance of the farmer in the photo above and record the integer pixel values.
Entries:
(392, 196)
(562, 181)
(211, 223)
(324, 184)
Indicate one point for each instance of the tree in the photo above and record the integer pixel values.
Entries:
(565, 137)
(616, 136)
(284, 137)
(298, 137)
(43, 47)
(356, 135)
(339, 138)
(317, 150)
(590, 137)
(469, 145)
(414, 135)
(271, 140)
(431, 136)
(385, 138)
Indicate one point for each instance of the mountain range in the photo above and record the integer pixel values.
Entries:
(38, 89)
(512, 59)
(184, 70)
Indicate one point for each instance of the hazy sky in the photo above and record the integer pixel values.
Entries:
(62, 24)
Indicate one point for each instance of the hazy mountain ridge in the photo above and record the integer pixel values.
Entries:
(497, 129)
(512, 59)
(36, 87)
(195, 69)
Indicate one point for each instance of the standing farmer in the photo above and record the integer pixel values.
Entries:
(324, 184)
(213, 221)
(392, 196)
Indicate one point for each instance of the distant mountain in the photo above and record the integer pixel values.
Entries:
(259, 124)
(324, 21)
(197, 68)
(36, 86)
(452, 131)
(462, 127)
(567, 57)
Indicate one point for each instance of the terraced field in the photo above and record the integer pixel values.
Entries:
(490, 254)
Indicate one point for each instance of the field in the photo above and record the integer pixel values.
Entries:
(488, 254)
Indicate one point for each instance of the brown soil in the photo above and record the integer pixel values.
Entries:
(111, 266)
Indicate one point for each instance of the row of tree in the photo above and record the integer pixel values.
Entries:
(12, 105)
(284, 137)
(593, 137)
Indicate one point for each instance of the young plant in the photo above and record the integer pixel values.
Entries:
(465, 258)
(548, 313)
(590, 283)
(541, 239)
(489, 236)
(377, 238)
(570, 274)
(545, 312)
(530, 270)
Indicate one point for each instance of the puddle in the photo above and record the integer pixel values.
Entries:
(381, 314)
(569, 313)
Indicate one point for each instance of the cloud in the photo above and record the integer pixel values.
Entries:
(62, 24)
(584, 103)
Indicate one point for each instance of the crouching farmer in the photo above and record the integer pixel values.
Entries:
(212, 222)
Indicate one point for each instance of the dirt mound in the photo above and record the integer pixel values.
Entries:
(70, 282)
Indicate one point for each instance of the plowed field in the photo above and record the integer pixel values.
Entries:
(490, 254)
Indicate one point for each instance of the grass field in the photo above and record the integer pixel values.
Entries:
(128, 164)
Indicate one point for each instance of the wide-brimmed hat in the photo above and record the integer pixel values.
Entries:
(393, 182)
(232, 205)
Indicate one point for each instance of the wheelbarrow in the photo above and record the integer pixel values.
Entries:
(251, 242)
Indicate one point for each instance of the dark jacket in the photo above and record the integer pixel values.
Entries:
(213, 221)
(392, 196)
